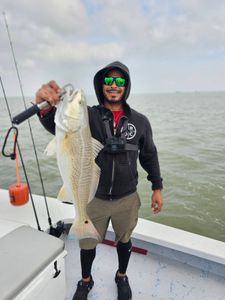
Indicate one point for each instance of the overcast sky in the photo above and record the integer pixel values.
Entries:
(173, 45)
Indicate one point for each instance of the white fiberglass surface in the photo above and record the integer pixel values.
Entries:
(151, 276)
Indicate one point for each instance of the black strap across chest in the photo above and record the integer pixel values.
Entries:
(117, 143)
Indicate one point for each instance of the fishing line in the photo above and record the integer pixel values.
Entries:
(21, 157)
(31, 133)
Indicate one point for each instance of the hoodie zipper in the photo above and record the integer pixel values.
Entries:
(112, 180)
(113, 168)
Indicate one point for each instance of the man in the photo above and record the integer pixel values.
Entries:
(125, 134)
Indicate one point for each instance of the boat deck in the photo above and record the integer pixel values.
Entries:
(151, 276)
(177, 265)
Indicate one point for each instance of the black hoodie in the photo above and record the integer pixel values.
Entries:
(119, 176)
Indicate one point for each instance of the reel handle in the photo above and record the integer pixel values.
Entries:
(29, 112)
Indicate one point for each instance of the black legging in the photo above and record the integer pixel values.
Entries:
(124, 252)
(87, 257)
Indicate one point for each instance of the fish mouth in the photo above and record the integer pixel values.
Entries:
(67, 118)
(69, 92)
(72, 94)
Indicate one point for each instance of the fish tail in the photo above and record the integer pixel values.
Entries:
(84, 229)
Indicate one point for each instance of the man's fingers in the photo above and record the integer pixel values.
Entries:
(48, 93)
(51, 95)
(54, 86)
(155, 208)
(157, 205)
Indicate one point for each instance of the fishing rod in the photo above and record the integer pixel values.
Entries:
(21, 157)
(25, 115)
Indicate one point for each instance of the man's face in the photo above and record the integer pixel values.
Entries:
(113, 93)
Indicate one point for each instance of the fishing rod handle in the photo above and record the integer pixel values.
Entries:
(29, 112)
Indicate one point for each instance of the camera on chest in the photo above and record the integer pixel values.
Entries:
(115, 144)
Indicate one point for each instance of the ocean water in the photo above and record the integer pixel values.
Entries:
(189, 132)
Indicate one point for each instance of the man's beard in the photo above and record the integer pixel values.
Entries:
(112, 101)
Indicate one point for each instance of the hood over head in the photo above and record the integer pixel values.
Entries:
(98, 80)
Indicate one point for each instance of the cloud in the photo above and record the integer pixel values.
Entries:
(61, 16)
(57, 32)
(149, 27)
(169, 24)
(60, 36)
(79, 52)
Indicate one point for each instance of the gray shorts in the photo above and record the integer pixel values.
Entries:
(123, 214)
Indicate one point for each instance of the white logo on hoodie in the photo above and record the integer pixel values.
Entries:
(131, 131)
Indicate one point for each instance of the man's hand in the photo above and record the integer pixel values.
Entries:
(49, 92)
(157, 201)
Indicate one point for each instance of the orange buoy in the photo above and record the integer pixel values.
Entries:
(18, 193)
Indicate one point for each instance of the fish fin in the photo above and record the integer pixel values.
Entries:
(84, 229)
(51, 148)
(96, 171)
(62, 195)
(96, 147)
